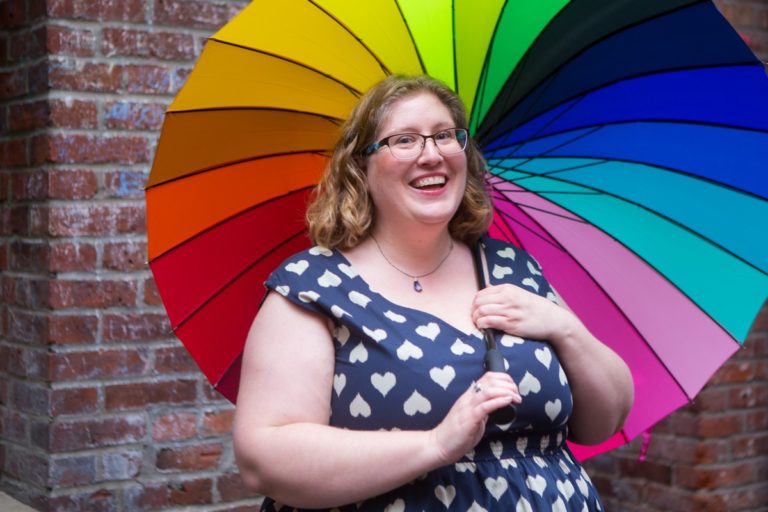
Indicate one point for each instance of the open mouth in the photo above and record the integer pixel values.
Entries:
(429, 183)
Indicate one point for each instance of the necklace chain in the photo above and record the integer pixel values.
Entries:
(416, 283)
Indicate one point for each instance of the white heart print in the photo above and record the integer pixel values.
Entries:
(319, 250)
(408, 350)
(528, 281)
(399, 319)
(339, 381)
(397, 506)
(508, 340)
(500, 272)
(359, 407)
(359, 354)
(298, 267)
(496, 486)
(533, 269)
(528, 384)
(431, 330)
(283, 290)
(566, 488)
(383, 383)
(523, 505)
(443, 376)
(338, 312)
(537, 484)
(308, 296)
(508, 253)
(347, 270)
(342, 335)
(359, 299)
(416, 403)
(460, 348)
(376, 334)
(445, 494)
(328, 279)
(476, 508)
(544, 355)
(552, 409)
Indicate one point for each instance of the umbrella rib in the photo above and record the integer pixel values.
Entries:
(218, 292)
(618, 80)
(383, 66)
(612, 301)
(227, 219)
(597, 191)
(683, 293)
(335, 120)
(351, 89)
(321, 152)
(410, 34)
(606, 36)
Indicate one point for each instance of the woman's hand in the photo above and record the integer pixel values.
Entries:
(516, 311)
(464, 424)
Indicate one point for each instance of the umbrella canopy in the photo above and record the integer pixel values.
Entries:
(627, 145)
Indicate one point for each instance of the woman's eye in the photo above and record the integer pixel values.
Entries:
(445, 135)
(403, 140)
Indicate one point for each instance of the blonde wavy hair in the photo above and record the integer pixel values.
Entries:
(341, 212)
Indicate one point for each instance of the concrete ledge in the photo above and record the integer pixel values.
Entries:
(8, 504)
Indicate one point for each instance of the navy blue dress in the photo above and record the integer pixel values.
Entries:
(400, 368)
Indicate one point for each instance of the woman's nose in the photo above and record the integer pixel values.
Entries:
(430, 152)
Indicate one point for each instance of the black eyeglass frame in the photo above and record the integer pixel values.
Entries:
(462, 135)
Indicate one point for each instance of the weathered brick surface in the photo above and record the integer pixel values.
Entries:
(101, 408)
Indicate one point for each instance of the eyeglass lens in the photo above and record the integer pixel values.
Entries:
(409, 145)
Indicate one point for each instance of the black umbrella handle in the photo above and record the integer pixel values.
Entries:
(493, 361)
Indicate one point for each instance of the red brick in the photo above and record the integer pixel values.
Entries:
(27, 45)
(72, 329)
(13, 14)
(81, 114)
(734, 371)
(146, 496)
(95, 433)
(749, 396)
(14, 152)
(76, 499)
(91, 294)
(198, 491)
(232, 488)
(97, 219)
(86, 365)
(72, 257)
(80, 400)
(134, 115)
(30, 398)
(27, 116)
(125, 256)
(175, 426)
(90, 149)
(194, 13)
(71, 74)
(13, 83)
(27, 327)
(195, 457)
(29, 185)
(26, 466)
(174, 360)
(121, 465)
(126, 42)
(104, 10)
(217, 422)
(138, 395)
(70, 471)
(715, 477)
(62, 40)
(147, 79)
(143, 326)
(125, 183)
(15, 426)
(29, 256)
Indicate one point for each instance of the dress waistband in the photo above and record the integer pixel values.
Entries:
(517, 444)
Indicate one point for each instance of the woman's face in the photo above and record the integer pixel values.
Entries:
(426, 190)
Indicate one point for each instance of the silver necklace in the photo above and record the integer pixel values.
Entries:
(416, 283)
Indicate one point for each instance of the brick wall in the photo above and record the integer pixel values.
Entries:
(100, 407)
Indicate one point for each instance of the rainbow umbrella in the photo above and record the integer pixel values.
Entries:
(627, 146)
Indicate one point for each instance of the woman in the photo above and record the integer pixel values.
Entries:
(362, 379)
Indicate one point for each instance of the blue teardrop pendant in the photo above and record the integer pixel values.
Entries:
(417, 285)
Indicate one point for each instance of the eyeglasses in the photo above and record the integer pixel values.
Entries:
(407, 146)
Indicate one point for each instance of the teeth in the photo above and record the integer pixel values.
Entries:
(430, 180)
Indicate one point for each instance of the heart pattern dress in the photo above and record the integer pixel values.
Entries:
(401, 368)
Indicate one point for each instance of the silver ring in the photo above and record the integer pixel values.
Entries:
(478, 388)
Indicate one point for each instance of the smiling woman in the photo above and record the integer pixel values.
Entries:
(376, 396)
